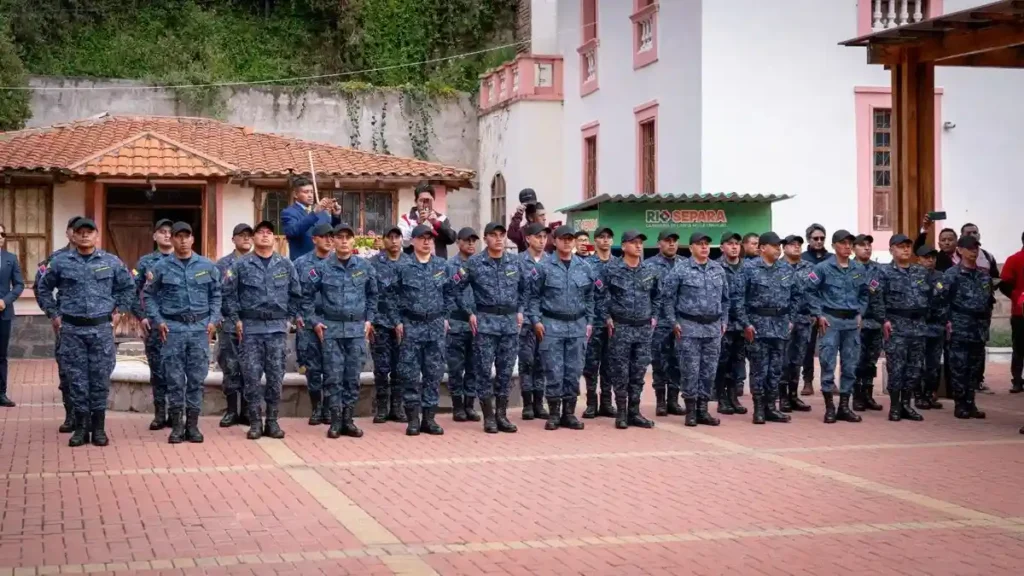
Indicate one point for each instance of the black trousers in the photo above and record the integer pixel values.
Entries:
(5, 340)
(1017, 339)
(812, 347)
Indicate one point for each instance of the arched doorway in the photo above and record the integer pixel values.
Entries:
(498, 198)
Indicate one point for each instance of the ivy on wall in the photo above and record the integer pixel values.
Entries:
(14, 104)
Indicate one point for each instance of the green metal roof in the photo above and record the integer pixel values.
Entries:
(719, 197)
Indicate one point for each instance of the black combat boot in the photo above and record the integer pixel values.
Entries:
(605, 408)
(1017, 386)
(660, 406)
(785, 402)
(972, 408)
(933, 395)
(808, 389)
(795, 401)
(99, 434)
(81, 434)
(458, 409)
(674, 409)
(771, 411)
(724, 399)
(527, 405)
(429, 425)
(381, 413)
(539, 411)
(230, 417)
(830, 408)
(867, 394)
(907, 411)
(177, 422)
(397, 412)
(243, 410)
(591, 410)
(703, 416)
(69, 415)
(192, 433)
(845, 413)
(894, 406)
(758, 417)
(412, 428)
(490, 422)
(255, 423)
(271, 428)
(621, 413)
(316, 415)
(554, 414)
(6, 402)
(471, 414)
(159, 416)
(960, 408)
(634, 417)
(858, 395)
(569, 419)
(349, 424)
(734, 401)
(691, 411)
(922, 400)
(337, 423)
(501, 415)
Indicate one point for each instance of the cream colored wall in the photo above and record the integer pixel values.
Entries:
(68, 201)
(237, 205)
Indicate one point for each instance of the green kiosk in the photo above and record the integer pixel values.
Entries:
(683, 213)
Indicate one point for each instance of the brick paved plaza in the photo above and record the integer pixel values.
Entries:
(939, 497)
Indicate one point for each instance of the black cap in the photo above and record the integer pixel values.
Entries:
(181, 227)
(345, 228)
(322, 229)
(527, 196)
(841, 235)
(422, 230)
(630, 235)
(393, 230)
(769, 238)
(864, 239)
(604, 230)
(698, 237)
(793, 238)
(492, 226)
(898, 239)
(239, 228)
(564, 230)
(814, 227)
(534, 228)
(727, 236)
(84, 223)
(71, 222)
(666, 234)
(467, 233)
(924, 251)
(161, 223)
(968, 242)
(265, 224)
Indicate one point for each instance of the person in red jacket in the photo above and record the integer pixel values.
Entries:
(534, 212)
(1011, 284)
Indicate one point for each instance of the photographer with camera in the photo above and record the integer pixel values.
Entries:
(534, 212)
(423, 213)
(298, 220)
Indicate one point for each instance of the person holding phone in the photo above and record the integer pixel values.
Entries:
(424, 213)
(583, 246)
(298, 220)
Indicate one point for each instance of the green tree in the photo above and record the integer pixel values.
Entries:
(14, 104)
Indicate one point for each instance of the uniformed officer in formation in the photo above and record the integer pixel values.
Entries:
(68, 425)
(967, 292)
(935, 334)
(627, 304)
(237, 411)
(665, 362)
(767, 299)
(462, 377)
(421, 288)
(871, 328)
(384, 348)
(906, 296)
(164, 248)
(91, 284)
(800, 335)
(696, 303)
(261, 295)
(183, 305)
(347, 287)
(732, 360)
(309, 354)
(838, 294)
(562, 315)
(595, 368)
(531, 368)
(500, 297)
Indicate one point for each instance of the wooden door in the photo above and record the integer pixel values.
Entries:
(129, 233)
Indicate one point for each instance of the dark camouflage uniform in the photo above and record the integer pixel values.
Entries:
(186, 296)
(630, 297)
(62, 376)
(90, 287)
(595, 369)
(462, 379)
(905, 296)
(800, 337)
(309, 353)
(227, 339)
(935, 335)
(384, 348)
(967, 294)
(871, 326)
(664, 360)
(154, 358)
(767, 297)
(500, 292)
(696, 297)
(840, 295)
(264, 296)
(563, 301)
(531, 366)
(732, 359)
(418, 295)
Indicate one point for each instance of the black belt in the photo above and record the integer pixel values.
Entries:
(976, 314)
(911, 313)
(459, 315)
(186, 318)
(562, 316)
(841, 314)
(699, 319)
(497, 310)
(83, 322)
(422, 317)
(770, 312)
(345, 317)
(262, 315)
(631, 321)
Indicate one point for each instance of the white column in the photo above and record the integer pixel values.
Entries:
(918, 10)
(904, 13)
(891, 22)
(876, 18)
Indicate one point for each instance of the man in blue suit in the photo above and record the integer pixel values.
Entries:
(299, 219)
(11, 285)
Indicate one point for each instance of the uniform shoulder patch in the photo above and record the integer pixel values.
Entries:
(313, 274)
(873, 284)
(598, 283)
(812, 276)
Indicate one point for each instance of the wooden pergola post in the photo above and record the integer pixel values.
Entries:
(913, 103)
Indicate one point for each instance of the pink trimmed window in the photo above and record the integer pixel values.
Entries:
(646, 117)
(645, 32)
(588, 50)
(876, 15)
(589, 134)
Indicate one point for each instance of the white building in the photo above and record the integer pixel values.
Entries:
(748, 96)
